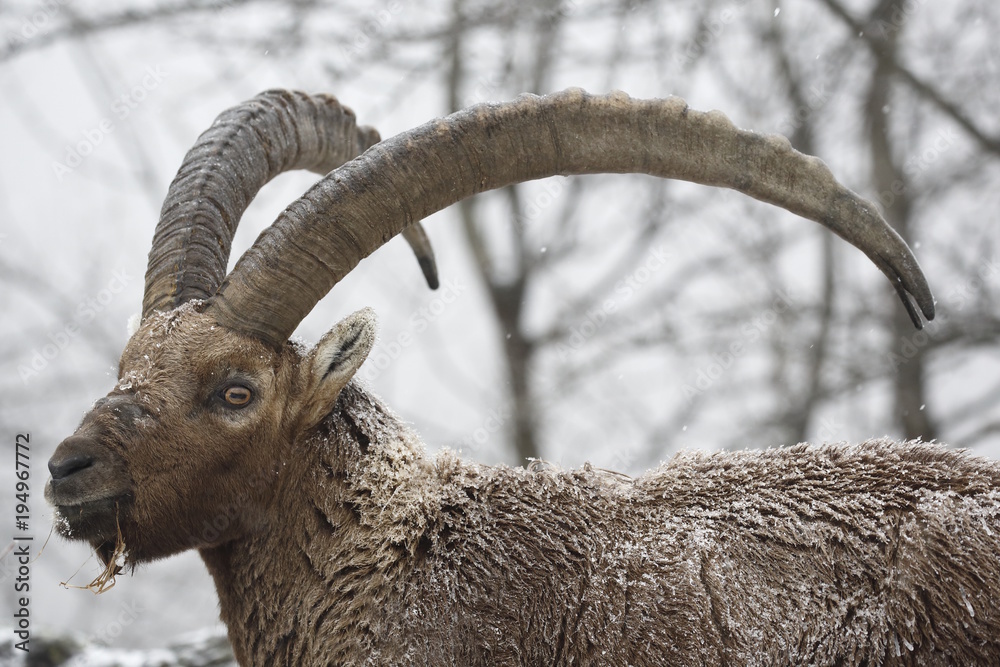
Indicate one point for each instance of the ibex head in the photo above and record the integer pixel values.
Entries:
(187, 450)
(213, 400)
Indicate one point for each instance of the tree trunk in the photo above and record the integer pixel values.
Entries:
(890, 182)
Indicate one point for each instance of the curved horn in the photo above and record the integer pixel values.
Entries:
(320, 237)
(245, 147)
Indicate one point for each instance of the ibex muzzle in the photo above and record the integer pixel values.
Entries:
(90, 482)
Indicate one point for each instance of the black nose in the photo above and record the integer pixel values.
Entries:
(60, 468)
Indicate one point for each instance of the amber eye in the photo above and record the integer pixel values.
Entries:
(237, 396)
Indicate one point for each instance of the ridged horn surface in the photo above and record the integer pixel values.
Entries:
(358, 207)
(245, 147)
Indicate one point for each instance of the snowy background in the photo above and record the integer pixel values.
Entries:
(595, 312)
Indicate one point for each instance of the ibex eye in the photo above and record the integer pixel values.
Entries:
(237, 396)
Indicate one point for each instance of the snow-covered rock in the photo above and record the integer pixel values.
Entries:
(202, 649)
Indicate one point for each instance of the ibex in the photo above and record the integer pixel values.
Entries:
(333, 539)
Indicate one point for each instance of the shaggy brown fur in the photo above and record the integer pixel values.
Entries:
(335, 540)
(879, 553)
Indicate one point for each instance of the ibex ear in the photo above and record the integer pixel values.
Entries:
(334, 361)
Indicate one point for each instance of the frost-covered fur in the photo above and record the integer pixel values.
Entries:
(878, 553)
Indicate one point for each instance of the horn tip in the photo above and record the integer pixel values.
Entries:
(917, 300)
(429, 269)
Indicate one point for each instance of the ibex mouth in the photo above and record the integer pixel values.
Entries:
(94, 521)
(88, 487)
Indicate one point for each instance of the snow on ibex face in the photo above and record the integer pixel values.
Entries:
(169, 419)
